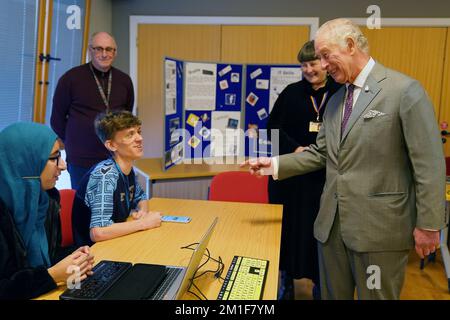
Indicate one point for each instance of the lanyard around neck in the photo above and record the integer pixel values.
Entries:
(106, 97)
(314, 104)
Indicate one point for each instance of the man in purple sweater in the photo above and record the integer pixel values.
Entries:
(81, 94)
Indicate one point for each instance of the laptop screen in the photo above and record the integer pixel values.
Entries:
(196, 258)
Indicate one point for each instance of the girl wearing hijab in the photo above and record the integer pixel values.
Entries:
(30, 163)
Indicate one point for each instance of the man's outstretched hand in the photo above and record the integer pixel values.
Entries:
(259, 166)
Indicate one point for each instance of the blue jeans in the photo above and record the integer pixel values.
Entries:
(76, 173)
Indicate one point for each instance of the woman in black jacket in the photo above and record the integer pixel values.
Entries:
(30, 163)
(297, 114)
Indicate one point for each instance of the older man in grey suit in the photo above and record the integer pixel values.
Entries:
(385, 182)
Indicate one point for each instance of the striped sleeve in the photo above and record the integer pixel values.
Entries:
(100, 195)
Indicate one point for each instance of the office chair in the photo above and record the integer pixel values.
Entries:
(67, 197)
(239, 186)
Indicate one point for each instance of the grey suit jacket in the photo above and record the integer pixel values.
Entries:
(386, 175)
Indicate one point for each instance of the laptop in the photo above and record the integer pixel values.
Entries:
(182, 282)
(140, 281)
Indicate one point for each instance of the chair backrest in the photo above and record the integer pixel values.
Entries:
(239, 186)
(67, 197)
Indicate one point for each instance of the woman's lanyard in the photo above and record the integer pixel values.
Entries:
(314, 103)
(127, 185)
(105, 98)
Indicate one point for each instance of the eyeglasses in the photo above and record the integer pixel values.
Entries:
(99, 50)
(56, 158)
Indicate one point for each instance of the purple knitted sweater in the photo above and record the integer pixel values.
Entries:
(76, 103)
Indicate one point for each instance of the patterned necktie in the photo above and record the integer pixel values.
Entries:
(348, 107)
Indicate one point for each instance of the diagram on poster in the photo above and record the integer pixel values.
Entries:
(225, 139)
(171, 87)
(174, 130)
(205, 132)
(279, 79)
(192, 119)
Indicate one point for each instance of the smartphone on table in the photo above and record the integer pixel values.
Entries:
(179, 219)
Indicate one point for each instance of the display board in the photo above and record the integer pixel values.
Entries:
(204, 103)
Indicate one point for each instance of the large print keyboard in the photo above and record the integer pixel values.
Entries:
(245, 279)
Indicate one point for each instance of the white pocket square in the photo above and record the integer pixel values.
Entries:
(373, 114)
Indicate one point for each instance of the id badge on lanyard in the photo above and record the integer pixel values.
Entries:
(314, 126)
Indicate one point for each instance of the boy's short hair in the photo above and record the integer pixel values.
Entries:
(109, 123)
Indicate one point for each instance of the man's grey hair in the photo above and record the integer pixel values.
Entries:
(338, 31)
(91, 38)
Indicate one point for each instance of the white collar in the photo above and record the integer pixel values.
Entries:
(362, 76)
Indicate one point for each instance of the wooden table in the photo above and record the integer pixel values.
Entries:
(252, 230)
(184, 180)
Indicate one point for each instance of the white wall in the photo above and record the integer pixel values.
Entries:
(64, 179)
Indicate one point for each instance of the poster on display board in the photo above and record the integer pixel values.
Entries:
(263, 85)
(173, 112)
(212, 93)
